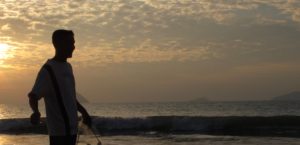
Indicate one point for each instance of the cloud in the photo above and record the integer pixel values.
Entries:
(146, 52)
(290, 7)
(149, 30)
(5, 27)
(268, 21)
(224, 12)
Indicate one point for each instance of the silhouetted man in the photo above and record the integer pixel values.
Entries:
(55, 82)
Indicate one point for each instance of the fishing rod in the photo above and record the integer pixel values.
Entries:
(84, 99)
(98, 139)
(93, 132)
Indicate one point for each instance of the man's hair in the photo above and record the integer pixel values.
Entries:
(59, 36)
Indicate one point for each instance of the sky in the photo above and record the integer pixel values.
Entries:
(156, 50)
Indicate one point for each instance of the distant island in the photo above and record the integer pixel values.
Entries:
(201, 99)
(293, 96)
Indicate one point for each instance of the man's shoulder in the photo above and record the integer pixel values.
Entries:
(58, 66)
(55, 62)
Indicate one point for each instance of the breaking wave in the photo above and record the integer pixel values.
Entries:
(228, 125)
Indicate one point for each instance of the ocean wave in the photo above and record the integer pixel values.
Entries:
(227, 125)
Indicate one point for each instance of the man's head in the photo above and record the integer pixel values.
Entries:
(63, 42)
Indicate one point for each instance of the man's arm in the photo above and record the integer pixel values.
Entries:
(85, 115)
(33, 102)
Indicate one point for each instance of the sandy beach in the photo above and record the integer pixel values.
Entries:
(155, 140)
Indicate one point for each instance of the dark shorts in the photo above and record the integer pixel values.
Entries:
(63, 140)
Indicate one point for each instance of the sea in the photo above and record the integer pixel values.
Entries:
(167, 123)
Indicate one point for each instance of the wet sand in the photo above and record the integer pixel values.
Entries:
(154, 140)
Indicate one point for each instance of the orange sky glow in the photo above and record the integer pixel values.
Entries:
(155, 50)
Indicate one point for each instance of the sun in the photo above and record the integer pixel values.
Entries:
(3, 50)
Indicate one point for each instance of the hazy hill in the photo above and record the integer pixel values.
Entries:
(288, 97)
(81, 98)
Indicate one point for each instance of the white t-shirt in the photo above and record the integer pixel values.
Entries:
(44, 87)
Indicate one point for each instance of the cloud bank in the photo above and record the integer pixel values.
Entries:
(146, 30)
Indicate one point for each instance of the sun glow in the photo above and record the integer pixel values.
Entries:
(3, 50)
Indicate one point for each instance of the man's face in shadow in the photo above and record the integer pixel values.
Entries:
(68, 47)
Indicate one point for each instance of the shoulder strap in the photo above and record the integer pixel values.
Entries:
(59, 99)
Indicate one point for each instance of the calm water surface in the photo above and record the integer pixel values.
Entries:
(253, 108)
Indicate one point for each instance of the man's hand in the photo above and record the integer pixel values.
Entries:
(33, 102)
(87, 120)
(85, 115)
(35, 118)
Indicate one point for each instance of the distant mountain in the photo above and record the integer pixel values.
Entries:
(293, 96)
(81, 99)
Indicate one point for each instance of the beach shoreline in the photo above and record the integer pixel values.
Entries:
(154, 140)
